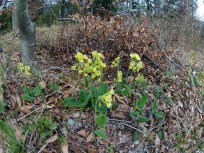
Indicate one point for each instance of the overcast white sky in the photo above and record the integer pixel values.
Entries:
(200, 12)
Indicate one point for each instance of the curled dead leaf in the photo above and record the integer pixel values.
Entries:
(119, 99)
(91, 137)
(82, 133)
(42, 84)
(26, 109)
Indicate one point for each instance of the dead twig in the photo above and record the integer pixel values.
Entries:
(121, 122)
(42, 106)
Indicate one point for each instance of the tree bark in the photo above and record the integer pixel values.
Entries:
(2, 78)
(26, 30)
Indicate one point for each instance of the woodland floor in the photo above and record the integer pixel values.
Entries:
(181, 130)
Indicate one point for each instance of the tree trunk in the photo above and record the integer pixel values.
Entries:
(14, 24)
(26, 30)
(2, 79)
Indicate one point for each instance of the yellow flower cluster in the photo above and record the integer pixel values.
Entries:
(22, 68)
(116, 62)
(140, 78)
(119, 76)
(106, 98)
(135, 63)
(90, 67)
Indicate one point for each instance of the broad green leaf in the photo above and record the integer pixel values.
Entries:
(71, 102)
(2, 106)
(37, 90)
(86, 102)
(101, 120)
(137, 135)
(101, 134)
(140, 95)
(160, 133)
(52, 127)
(27, 90)
(27, 97)
(54, 86)
(102, 89)
(142, 102)
(143, 120)
(160, 114)
(101, 109)
(134, 115)
(86, 82)
(82, 95)
(154, 106)
(126, 90)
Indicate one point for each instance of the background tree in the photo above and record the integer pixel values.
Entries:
(26, 31)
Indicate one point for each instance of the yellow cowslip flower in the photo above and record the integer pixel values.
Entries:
(27, 69)
(106, 98)
(20, 67)
(80, 57)
(102, 65)
(89, 61)
(139, 65)
(80, 71)
(90, 67)
(119, 76)
(97, 55)
(93, 76)
(74, 67)
(140, 78)
(135, 56)
(116, 62)
(135, 63)
(132, 65)
(98, 73)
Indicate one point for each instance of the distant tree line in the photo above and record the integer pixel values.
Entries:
(48, 11)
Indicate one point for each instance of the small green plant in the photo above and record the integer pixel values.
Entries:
(99, 97)
(29, 93)
(110, 149)
(7, 136)
(54, 85)
(157, 113)
(123, 88)
(2, 106)
(44, 126)
(101, 121)
(139, 110)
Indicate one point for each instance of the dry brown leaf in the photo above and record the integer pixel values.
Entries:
(151, 95)
(65, 147)
(119, 99)
(82, 133)
(13, 102)
(180, 104)
(42, 84)
(26, 109)
(91, 137)
(18, 133)
(157, 141)
(1, 97)
(52, 139)
(19, 101)
(91, 149)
